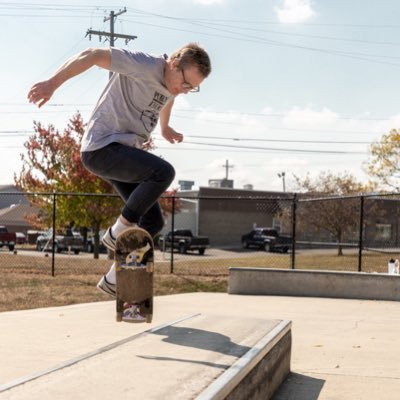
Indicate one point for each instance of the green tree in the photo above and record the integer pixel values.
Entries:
(52, 164)
(384, 163)
(326, 212)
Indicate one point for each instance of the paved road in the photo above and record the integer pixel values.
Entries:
(166, 256)
(211, 253)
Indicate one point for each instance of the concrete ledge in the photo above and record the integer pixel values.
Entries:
(217, 356)
(311, 283)
(258, 373)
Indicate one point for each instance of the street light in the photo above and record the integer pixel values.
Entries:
(282, 175)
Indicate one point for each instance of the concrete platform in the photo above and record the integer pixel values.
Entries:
(198, 356)
(342, 349)
(335, 284)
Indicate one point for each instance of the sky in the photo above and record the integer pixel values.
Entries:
(297, 87)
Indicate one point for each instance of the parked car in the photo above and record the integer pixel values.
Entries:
(21, 238)
(7, 238)
(72, 242)
(267, 239)
(183, 240)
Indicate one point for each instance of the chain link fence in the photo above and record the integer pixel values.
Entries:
(202, 238)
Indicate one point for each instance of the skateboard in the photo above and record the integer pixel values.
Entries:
(134, 265)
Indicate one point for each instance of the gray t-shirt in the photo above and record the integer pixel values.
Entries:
(128, 109)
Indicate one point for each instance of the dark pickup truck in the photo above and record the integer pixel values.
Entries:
(72, 242)
(7, 238)
(183, 240)
(267, 239)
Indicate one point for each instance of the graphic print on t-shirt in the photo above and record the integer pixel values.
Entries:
(149, 117)
(158, 102)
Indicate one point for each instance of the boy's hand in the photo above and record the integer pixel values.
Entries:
(41, 93)
(171, 135)
(149, 145)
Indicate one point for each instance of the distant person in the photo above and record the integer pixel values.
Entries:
(141, 90)
(69, 231)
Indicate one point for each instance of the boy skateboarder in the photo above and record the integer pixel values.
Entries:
(140, 92)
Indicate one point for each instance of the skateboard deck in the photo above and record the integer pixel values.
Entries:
(134, 265)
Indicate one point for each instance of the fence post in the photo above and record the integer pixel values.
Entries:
(172, 235)
(54, 235)
(361, 229)
(294, 210)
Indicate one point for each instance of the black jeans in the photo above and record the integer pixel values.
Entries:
(139, 177)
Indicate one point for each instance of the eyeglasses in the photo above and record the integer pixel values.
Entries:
(187, 85)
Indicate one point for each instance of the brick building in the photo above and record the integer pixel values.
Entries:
(224, 214)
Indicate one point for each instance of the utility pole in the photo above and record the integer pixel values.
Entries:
(227, 167)
(111, 35)
(282, 175)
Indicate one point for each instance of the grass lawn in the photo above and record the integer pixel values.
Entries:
(27, 282)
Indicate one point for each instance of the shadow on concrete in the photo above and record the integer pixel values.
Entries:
(299, 387)
(206, 363)
(201, 339)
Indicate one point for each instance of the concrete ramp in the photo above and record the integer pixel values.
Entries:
(196, 357)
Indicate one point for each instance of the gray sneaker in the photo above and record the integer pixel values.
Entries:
(107, 287)
(108, 240)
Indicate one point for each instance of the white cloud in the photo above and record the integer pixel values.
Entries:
(293, 11)
(297, 141)
(309, 117)
(182, 103)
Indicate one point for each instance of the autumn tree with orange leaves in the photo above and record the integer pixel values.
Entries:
(52, 164)
(170, 202)
(334, 206)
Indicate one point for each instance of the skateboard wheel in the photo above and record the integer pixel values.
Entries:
(149, 318)
(119, 317)
(150, 268)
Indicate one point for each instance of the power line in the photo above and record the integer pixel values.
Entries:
(52, 7)
(237, 139)
(218, 112)
(266, 22)
(240, 151)
(278, 115)
(285, 150)
(245, 139)
(291, 34)
(216, 27)
(141, 13)
(257, 39)
(279, 149)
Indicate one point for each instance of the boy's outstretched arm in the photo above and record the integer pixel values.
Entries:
(41, 92)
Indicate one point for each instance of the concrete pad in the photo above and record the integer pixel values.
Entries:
(175, 361)
(342, 349)
(37, 339)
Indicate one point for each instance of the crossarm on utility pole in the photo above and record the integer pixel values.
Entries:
(109, 35)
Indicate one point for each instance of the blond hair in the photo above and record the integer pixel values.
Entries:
(193, 55)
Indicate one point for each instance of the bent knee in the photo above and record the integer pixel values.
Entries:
(157, 227)
(166, 172)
